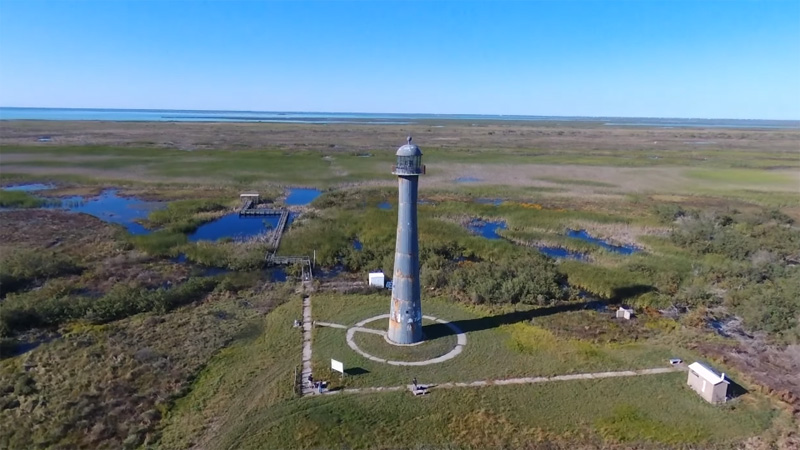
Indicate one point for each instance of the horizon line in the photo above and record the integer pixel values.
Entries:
(388, 113)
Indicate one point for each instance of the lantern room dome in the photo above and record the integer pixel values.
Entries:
(409, 149)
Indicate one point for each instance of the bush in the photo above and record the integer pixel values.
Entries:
(773, 306)
(532, 280)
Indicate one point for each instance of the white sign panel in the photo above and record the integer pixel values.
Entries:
(337, 366)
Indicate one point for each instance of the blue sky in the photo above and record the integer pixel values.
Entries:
(716, 59)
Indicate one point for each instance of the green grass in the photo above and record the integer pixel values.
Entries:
(243, 400)
(254, 373)
(576, 182)
(743, 177)
(20, 199)
(515, 349)
(656, 410)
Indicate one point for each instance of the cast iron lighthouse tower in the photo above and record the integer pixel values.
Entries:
(405, 318)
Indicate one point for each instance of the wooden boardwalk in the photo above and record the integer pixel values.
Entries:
(273, 239)
(262, 212)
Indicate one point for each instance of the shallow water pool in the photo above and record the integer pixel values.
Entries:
(302, 196)
(233, 226)
(487, 229)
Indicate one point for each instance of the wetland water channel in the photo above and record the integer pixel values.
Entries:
(488, 229)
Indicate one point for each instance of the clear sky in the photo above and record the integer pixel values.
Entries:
(715, 59)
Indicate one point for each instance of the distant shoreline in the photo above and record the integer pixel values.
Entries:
(326, 118)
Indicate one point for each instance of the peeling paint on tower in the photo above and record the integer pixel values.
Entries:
(405, 315)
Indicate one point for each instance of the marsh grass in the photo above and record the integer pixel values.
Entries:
(159, 243)
(20, 199)
(184, 216)
(232, 255)
(19, 269)
(59, 303)
(108, 386)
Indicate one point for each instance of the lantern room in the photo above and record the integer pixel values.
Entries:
(409, 160)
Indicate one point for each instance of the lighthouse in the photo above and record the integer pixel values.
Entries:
(405, 312)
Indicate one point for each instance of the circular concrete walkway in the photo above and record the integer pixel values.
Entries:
(460, 343)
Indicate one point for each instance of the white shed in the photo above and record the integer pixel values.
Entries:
(377, 279)
(624, 313)
(712, 386)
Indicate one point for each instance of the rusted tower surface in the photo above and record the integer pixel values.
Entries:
(405, 319)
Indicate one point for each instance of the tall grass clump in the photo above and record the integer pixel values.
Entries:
(20, 199)
(58, 304)
(159, 243)
(231, 255)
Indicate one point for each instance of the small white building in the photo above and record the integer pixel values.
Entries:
(624, 313)
(377, 279)
(712, 386)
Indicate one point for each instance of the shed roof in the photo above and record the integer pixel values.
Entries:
(707, 373)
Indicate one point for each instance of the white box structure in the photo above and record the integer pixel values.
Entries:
(337, 366)
(377, 279)
(713, 387)
(624, 313)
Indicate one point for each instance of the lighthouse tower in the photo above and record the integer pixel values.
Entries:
(405, 315)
